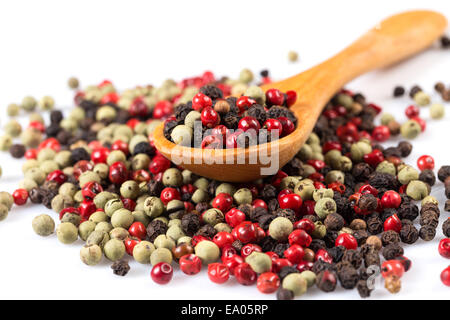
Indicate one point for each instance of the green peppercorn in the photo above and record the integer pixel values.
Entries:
(62, 158)
(27, 184)
(304, 189)
(6, 199)
(35, 116)
(85, 229)
(295, 283)
(437, 111)
(28, 103)
(223, 227)
(259, 262)
(73, 218)
(202, 183)
(116, 156)
(313, 138)
(207, 251)
(309, 276)
(91, 254)
(386, 167)
(422, 98)
(386, 118)
(48, 166)
(334, 175)
(344, 100)
(5, 142)
(305, 153)
(163, 241)
(172, 178)
(429, 199)
(141, 161)
(246, 76)
(292, 56)
(43, 225)
(289, 183)
(185, 239)
(256, 93)
(242, 196)
(114, 249)
(122, 218)
(13, 110)
(13, 128)
(104, 226)
(46, 103)
(182, 135)
(359, 149)
(119, 233)
(60, 202)
(410, 129)
(105, 113)
(161, 255)
(407, 174)
(111, 205)
(175, 232)
(68, 189)
(190, 119)
(140, 216)
(142, 252)
(213, 216)
(153, 207)
(323, 193)
(73, 83)
(88, 176)
(324, 207)
(67, 233)
(199, 195)
(98, 237)
(3, 212)
(98, 216)
(417, 189)
(129, 189)
(280, 228)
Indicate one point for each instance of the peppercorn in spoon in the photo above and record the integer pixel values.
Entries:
(394, 39)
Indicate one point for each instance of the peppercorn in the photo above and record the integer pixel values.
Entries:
(285, 294)
(334, 222)
(67, 233)
(120, 268)
(91, 254)
(427, 233)
(392, 284)
(399, 91)
(326, 281)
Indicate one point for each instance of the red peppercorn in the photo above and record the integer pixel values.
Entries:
(234, 217)
(331, 145)
(291, 201)
(393, 223)
(291, 97)
(221, 132)
(287, 126)
(138, 108)
(138, 230)
(69, 209)
(20, 196)
(294, 253)
(128, 204)
(276, 180)
(245, 275)
(323, 255)
(36, 125)
(445, 276)
(82, 166)
(159, 164)
(222, 239)
(141, 176)
(375, 107)
(412, 111)
(162, 273)
(118, 173)
(201, 101)
(307, 208)
(31, 154)
(91, 189)
(243, 103)
(218, 273)
(391, 199)
(268, 282)
(279, 264)
(87, 208)
(317, 164)
(111, 97)
(300, 237)
(210, 118)
(130, 243)
(421, 122)
(169, 194)
(274, 97)
(232, 262)
(197, 239)
(162, 109)
(367, 188)
(273, 125)
(283, 193)
(381, 133)
(305, 266)
(346, 240)
(245, 232)
(249, 248)
(51, 143)
(120, 145)
(259, 203)
(190, 264)
(425, 162)
(249, 123)
(99, 155)
(223, 202)
(392, 268)
(57, 176)
(444, 248)
(305, 224)
(374, 158)
(337, 186)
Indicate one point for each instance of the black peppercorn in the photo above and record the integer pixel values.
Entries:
(337, 253)
(446, 228)
(392, 251)
(399, 91)
(190, 223)
(374, 225)
(286, 271)
(155, 188)
(120, 267)
(212, 91)
(201, 207)
(427, 176)
(353, 257)
(334, 222)
(326, 281)
(443, 173)
(363, 289)
(79, 154)
(206, 230)
(284, 294)
(390, 236)
(17, 150)
(156, 228)
(35, 195)
(409, 234)
(56, 116)
(144, 147)
(427, 233)
(414, 90)
(429, 218)
(348, 277)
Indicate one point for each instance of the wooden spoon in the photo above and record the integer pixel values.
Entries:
(394, 39)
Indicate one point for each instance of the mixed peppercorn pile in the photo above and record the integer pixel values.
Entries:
(340, 209)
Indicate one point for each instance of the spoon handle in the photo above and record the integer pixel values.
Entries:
(394, 39)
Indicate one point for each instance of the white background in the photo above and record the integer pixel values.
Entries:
(139, 42)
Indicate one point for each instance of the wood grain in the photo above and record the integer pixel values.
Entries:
(394, 39)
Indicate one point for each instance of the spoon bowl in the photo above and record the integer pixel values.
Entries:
(391, 41)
